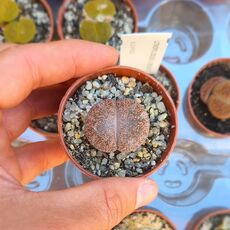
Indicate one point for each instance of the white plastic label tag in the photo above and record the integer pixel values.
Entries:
(144, 50)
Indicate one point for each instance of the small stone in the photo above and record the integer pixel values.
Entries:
(70, 133)
(132, 83)
(104, 161)
(72, 147)
(85, 102)
(104, 77)
(96, 85)
(66, 117)
(163, 124)
(138, 100)
(127, 91)
(154, 144)
(68, 127)
(162, 116)
(77, 135)
(139, 170)
(125, 80)
(121, 173)
(111, 155)
(89, 96)
(116, 165)
(140, 154)
(161, 107)
(93, 153)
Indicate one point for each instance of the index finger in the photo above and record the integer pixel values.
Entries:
(25, 68)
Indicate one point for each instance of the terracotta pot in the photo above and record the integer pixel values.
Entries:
(50, 14)
(145, 210)
(140, 76)
(66, 2)
(210, 215)
(163, 69)
(189, 109)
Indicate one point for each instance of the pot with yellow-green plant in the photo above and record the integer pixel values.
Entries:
(97, 20)
(25, 21)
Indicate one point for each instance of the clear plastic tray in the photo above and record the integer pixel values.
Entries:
(197, 174)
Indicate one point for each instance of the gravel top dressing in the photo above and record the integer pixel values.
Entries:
(153, 117)
(167, 83)
(200, 108)
(35, 11)
(219, 222)
(143, 221)
(122, 22)
(46, 124)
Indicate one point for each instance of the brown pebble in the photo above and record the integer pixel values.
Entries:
(113, 125)
(208, 86)
(219, 101)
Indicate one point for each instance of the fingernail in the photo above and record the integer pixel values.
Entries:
(146, 192)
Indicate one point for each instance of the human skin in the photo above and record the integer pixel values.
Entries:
(30, 89)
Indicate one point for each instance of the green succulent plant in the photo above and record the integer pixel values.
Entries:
(22, 31)
(100, 9)
(9, 10)
(99, 32)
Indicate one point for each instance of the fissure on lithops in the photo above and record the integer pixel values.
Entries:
(97, 20)
(24, 21)
(116, 126)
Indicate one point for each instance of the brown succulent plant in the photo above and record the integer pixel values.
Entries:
(113, 125)
(215, 93)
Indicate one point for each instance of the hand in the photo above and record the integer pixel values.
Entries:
(28, 90)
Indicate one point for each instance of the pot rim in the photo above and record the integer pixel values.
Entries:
(62, 8)
(174, 83)
(210, 215)
(194, 118)
(158, 213)
(43, 133)
(50, 14)
(139, 74)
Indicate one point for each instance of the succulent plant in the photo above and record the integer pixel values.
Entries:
(99, 32)
(219, 101)
(100, 9)
(113, 125)
(22, 31)
(9, 10)
(207, 87)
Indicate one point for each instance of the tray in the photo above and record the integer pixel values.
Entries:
(196, 177)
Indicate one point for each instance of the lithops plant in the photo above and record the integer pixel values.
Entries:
(216, 94)
(101, 21)
(96, 26)
(24, 21)
(15, 30)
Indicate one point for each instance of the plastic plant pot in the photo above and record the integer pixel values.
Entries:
(189, 109)
(140, 76)
(62, 10)
(209, 216)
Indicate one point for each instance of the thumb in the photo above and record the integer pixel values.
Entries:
(98, 205)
